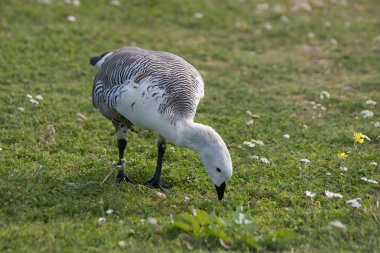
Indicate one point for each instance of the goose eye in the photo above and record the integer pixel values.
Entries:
(218, 170)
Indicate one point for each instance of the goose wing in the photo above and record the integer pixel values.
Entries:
(180, 83)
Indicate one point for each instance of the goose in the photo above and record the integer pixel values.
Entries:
(158, 91)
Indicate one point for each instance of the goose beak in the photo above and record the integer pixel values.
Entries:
(220, 190)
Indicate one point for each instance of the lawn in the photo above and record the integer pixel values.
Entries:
(287, 84)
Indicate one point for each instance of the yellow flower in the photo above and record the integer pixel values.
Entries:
(358, 137)
(342, 155)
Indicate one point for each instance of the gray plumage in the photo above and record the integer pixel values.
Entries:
(179, 84)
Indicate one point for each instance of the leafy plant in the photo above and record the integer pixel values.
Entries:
(239, 230)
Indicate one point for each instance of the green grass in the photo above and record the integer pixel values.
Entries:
(50, 192)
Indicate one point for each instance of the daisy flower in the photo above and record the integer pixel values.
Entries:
(367, 114)
(310, 194)
(333, 195)
(369, 180)
(264, 160)
(305, 161)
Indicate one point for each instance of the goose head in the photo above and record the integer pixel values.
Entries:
(212, 150)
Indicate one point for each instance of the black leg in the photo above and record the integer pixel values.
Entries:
(155, 181)
(121, 144)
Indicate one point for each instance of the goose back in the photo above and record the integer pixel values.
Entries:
(180, 83)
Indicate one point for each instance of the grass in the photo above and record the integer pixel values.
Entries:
(50, 192)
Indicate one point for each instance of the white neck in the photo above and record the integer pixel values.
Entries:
(197, 137)
(209, 145)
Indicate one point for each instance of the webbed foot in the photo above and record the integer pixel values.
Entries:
(121, 176)
(157, 184)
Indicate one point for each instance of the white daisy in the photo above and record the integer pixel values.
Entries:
(284, 19)
(334, 42)
(262, 7)
(264, 160)
(260, 143)
(71, 19)
(115, 2)
(333, 195)
(241, 219)
(101, 220)
(44, 1)
(268, 26)
(311, 35)
(310, 194)
(354, 202)
(370, 102)
(324, 95)
(306, 6)
(122, 244)
(255, 157)
(319, 106)
(366, 114)
(198, 15)
(277, 8)
(152, 221)
(33, 101)
(369, 180)
(338, 224)
(249, 144)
